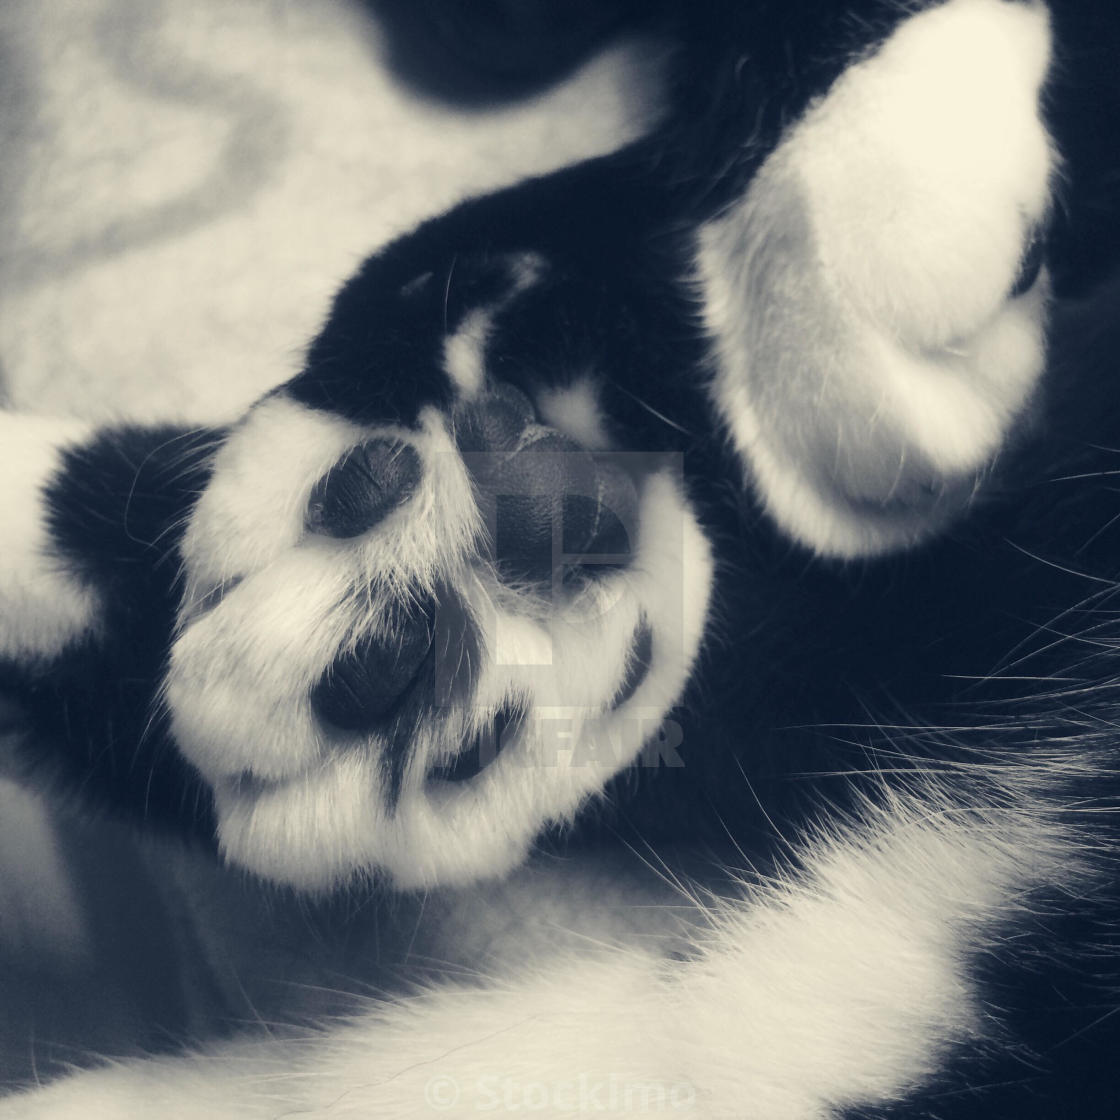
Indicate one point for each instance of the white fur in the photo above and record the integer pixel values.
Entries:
(43, 604)
(575, 410)
(241, 671)
(868, 360)
(268, 607)
(464, 350)
(327, 815)
(254, 508)
(839, 984)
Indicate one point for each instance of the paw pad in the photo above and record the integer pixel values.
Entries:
(365, 686)
(548, 506)
(546, 501)
(369, 482)
(398, 670)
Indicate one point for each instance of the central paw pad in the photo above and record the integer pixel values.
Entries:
(546, 501)
(364, 688)
(442, 639)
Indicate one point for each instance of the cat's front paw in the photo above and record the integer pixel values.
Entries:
(407, 649)
(877, 298)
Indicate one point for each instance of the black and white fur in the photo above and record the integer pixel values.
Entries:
(831, 649)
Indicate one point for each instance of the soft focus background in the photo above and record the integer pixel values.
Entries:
(183, 184)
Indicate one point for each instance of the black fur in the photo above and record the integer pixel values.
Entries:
(117, 509)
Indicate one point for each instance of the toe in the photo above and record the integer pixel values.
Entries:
(546, 500)
(363, 488)
(495, 422)
(601, 524)
(364, 687)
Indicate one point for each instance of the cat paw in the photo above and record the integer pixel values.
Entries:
(877, 299)
(407, 649)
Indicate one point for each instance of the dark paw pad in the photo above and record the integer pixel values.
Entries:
(597, 524)
(363, 689)
(546, 501)
(485, 747)
(363, 488)
(496, 423)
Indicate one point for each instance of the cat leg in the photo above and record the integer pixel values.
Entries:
(877, 299)
(844, 981)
